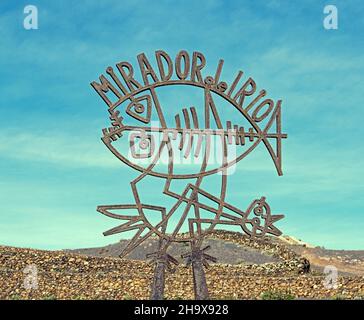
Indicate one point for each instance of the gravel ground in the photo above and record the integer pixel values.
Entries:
(64, 275)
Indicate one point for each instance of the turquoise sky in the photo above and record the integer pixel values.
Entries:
(54, 170)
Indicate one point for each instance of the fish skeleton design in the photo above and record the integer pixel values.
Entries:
(186, 136)
(256, 221)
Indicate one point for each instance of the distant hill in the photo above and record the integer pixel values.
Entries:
(226, 252)
(231, 252)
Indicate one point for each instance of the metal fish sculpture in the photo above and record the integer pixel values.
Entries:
(186, 136)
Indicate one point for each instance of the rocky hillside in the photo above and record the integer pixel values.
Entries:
(226, 252)
(230, 248)
(265, 269)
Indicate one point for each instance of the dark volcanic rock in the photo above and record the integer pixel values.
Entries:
(226, 252)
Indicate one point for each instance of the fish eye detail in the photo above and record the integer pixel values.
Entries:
(138, 110)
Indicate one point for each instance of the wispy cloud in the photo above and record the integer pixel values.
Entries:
(60, 149)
